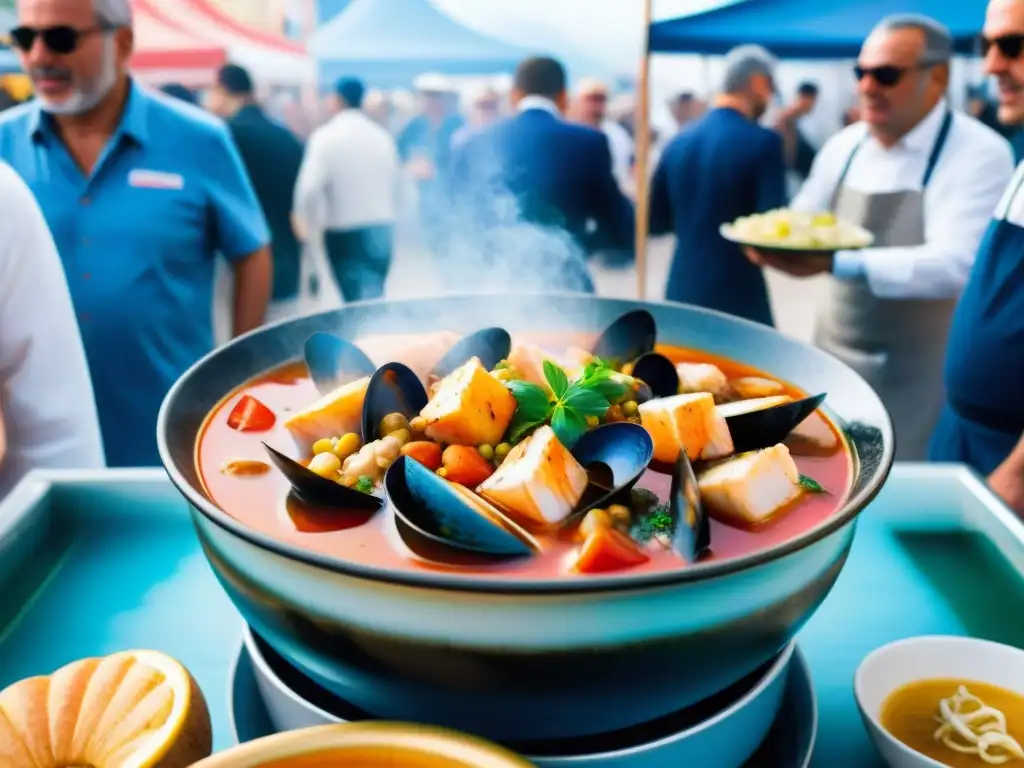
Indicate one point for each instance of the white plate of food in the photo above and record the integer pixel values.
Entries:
(797, 231)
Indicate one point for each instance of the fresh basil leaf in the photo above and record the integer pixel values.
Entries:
(585, 402)
(810, 484)
(557, 379)
(569, 426)
(521, 430)
(533, 401)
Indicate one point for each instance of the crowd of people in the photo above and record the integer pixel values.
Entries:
(118, 201)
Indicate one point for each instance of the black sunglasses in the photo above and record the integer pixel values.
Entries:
(60, 40)
(1010, 46)
(887, 75)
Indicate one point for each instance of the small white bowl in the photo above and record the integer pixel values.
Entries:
(928, 658)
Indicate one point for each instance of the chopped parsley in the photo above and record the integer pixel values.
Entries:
(810, 485)
(364, 485)
(657, 522)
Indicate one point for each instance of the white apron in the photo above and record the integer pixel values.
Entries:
(897, 345)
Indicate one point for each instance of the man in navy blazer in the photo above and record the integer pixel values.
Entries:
(533, 195)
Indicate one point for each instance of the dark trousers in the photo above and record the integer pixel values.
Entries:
(360, 259)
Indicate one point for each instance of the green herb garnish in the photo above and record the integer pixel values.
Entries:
(569, 404)
(810, 484)
(364, 484)
(657, 522)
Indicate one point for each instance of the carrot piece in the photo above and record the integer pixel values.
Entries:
(425, 452)
(464, 465)
(250, 415)
(607, 549)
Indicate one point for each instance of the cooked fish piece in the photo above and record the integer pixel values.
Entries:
(684, 422)
(539, 482)
(470, 407)
(702, 377)
(528, 360)
(719, 444)
(335, 414)
(421, 352)
(813, 437)
(750, 387)
(752, 487)
(728, 410)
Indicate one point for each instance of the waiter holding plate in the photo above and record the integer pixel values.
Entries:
(983, 420)
(924, 181)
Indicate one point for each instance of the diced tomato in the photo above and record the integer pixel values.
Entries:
(607, 549)
(425, 452)
(250, 415)
(464, 465)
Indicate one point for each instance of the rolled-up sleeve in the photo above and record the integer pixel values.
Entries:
(238, 220)
(958, 208)
(46, 396)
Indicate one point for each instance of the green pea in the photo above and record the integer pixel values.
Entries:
(501, 451)
(487, 452)
(630, 408)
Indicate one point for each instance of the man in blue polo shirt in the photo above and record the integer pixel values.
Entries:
(141, 193)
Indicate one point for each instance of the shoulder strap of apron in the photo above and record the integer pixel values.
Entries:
(933, 159)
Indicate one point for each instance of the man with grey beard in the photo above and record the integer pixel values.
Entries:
(983, 421)
(141, 192)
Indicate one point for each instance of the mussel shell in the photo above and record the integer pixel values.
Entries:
(333, 362)
(428, 507)
(692, 533)
(764, 428)
(631, 336)
(394, 388)
(659, 373)
(490, 346)
(320, 491)
(624, 451)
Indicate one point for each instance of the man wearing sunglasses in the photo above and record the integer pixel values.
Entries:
(983, 421)
(924, 181)
(142, 193)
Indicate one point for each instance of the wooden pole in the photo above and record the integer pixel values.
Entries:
(642, 128)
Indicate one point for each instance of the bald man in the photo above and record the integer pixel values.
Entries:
(983, 422)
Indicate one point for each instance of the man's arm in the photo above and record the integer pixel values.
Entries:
(960, 206)
(242, 233)
(1007, 481)
(48, 407)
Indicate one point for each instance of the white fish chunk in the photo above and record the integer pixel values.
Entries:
(470, 407)
(752, 487)
(728, 410)
(539, 482)
(750, 387)
(686, 422)
(335, 414)
(702, 377)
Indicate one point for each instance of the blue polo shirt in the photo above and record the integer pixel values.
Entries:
(138, 239)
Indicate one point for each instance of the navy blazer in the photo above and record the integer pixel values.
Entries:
(272, 156)
(537, 168)
(717, 169)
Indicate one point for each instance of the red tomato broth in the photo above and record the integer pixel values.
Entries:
(263, 502)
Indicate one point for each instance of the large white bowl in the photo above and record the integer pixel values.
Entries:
(726, 739)
(927, 658)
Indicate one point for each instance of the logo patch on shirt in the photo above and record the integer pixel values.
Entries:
(142, 179)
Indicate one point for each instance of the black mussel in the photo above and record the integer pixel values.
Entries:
(394, 388)
(767, 421)
(490, 346)
(615, 456)
(692, 531)
(431, 512)
(333, 362)
(659, 373)
(630, 337)
(319, 491)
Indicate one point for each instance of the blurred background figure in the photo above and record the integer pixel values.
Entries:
(484, 110)
(425, 148)
(347, 195)
(798, 150)
(536, 194)
(272, 156)
(685, 108)
(722, 167)
(181, 93)
(590, 107)
(378, 107)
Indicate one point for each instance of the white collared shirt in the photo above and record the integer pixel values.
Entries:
(46, 395)
(538, 102)
(960, 199)
(350, 175)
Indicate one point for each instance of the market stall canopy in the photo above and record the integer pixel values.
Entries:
(807, 29)
(388, 43)
(269, 57)
(169, 51)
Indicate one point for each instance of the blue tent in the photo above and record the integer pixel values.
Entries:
(328, 9)
(388, 43)
(808, 29)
